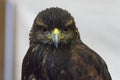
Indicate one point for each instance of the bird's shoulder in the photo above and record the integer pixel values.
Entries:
(87, 60)
(88, 55)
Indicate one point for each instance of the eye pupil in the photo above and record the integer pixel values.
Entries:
(44, 29)
(66, 28)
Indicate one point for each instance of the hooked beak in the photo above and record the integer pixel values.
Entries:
(55, 40)
(56, 36)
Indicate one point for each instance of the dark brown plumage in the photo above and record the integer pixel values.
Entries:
(56, 51)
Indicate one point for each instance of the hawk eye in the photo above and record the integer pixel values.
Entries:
(43, 29)
(66, 28)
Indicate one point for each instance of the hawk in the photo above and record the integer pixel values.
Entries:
(56, 51)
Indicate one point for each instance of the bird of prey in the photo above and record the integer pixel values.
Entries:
(56, 51)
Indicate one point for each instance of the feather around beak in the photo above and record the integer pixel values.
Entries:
(56, 36)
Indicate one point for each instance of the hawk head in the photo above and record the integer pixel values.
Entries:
(54, 26)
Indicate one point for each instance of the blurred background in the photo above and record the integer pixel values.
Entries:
(98, 22)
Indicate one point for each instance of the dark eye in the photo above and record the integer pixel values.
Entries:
(43, 29)
(66, 28)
